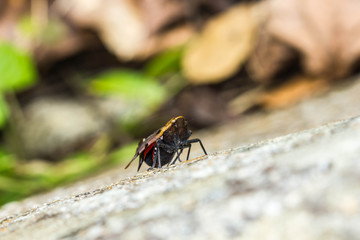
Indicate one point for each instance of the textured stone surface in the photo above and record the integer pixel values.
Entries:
(303, 185)
(275, 189)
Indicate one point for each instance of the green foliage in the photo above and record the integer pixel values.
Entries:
(4, 112)
(17, 70)
(137, 95)
(128, 84)
(165, 63)
(7, 163)
(20, 180)
(50, 33)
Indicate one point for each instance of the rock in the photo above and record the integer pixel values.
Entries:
(299, 186)
(54, 127)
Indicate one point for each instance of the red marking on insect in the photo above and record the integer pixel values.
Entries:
(149, 148)
(160, 147)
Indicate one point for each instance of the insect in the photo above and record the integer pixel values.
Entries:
(160, 147)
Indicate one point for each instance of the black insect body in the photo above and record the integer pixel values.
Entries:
(160, 147)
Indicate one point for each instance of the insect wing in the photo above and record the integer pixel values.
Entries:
(136, 154)
(143, 145)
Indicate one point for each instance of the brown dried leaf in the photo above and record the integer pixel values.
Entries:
(10, 14)
(175, 37)
(160, 13)
(45, 35)
(224, 45)
(326, 32)
(129, 27)
(269, 58)
(118, 23)
(292, 92)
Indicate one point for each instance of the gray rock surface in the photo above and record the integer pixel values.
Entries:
(300, 186)
(53, 126)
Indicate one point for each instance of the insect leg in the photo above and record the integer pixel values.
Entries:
(140, 163)
(177, 156)
(187, 157)
(196, 140)
(154, 155)
(158, 154)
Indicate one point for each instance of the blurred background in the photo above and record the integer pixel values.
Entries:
(81, 81)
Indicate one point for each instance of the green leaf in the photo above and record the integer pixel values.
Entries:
(4, 112)
(7, 163)
(127, 83)
(130, 86)
(17, 70)
(165, 63)
(137, 95)
(133, 95)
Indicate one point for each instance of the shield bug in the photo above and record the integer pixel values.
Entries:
(160, 147)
